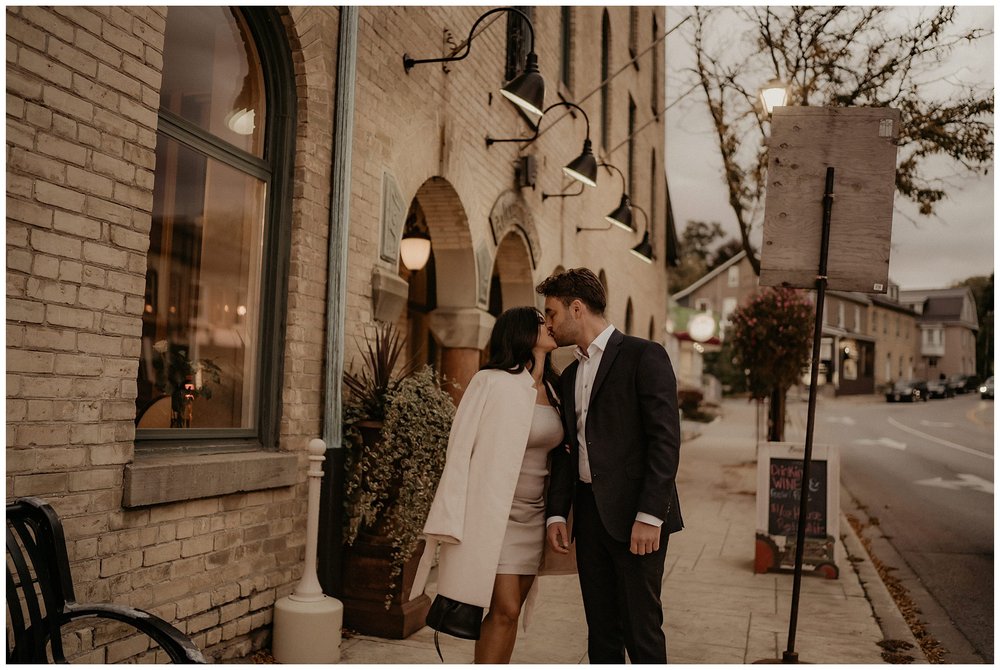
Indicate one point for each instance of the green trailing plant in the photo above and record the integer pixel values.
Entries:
(390, 482)
(771, 338)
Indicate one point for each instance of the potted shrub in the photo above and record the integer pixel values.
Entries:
(396, 426)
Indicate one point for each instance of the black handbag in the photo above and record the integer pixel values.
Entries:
(454, 618)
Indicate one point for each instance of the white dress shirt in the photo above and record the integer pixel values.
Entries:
(586, 373)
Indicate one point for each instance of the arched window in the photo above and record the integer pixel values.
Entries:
(566, 42)
(605, 73)
(211, 351)
(633, 34)
(631, 147)
(654, 88)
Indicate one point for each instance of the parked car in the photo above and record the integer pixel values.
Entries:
(963, 384)
(909, 390)
(986, 390)
(939, 388)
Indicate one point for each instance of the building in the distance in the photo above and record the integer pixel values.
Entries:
(947, 322)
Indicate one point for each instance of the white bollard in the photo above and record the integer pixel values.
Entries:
(307, 623)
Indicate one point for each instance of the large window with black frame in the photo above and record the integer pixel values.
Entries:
(218, 247)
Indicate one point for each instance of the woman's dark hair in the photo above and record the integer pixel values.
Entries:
(514, 336)
(573, 284)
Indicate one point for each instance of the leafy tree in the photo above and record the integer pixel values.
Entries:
(724, 252)
(982, 291)
(771, 338)
(838, 56)
(697, 256)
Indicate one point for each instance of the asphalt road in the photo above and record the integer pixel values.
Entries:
(925, 470)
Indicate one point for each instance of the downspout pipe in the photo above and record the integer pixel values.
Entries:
(330, 563)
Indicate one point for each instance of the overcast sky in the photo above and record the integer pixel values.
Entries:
(926, 252)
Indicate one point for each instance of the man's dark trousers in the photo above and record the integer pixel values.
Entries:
(621, 591)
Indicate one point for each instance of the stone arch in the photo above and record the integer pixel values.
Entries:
(451, 242)
(511, 283)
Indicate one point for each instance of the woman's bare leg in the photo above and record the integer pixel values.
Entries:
(499, 630)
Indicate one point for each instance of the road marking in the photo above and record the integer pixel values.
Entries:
(939, 424)
(883, 442)
(846, 420)
(963, 482)
(946, 443)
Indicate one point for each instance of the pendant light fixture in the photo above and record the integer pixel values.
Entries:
(622, 214)
(583, 168)
(644, 250)
(415, 247)
(526, 90)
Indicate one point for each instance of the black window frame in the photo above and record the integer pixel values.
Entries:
(276, 169)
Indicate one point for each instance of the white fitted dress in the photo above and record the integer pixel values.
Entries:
(522, 544)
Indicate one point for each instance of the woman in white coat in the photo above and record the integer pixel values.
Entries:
(489, 508)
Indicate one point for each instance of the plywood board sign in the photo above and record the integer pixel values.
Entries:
(860, 144)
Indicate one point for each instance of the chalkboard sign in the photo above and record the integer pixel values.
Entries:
(785, 491)
(779, 487)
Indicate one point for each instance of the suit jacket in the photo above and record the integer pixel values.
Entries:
(633, 438)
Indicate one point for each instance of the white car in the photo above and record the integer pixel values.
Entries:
(986, 389)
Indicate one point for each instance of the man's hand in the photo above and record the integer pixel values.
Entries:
(558, 536)
(645, 538)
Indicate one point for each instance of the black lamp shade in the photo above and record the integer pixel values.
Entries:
(584, 167)
(644, 250)
(527, 90)
(622, 216)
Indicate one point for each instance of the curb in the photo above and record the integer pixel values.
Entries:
(887, 614)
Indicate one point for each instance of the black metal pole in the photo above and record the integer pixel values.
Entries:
(790, 655)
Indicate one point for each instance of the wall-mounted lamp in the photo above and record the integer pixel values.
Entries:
(415, 246)
(583, 168)
(622, 215)
(644, 250)
(527, 90)
(773, 94)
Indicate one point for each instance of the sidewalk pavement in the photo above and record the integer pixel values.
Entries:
(716, 610)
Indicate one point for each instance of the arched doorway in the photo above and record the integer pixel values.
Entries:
(443, 322)
(511, 284)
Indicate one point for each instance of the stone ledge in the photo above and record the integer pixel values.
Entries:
(162, 478)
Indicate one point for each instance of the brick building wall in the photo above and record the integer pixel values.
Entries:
(82, 101)
(429, 124)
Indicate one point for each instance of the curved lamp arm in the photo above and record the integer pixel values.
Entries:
(620, 174)
(529, 140)
(410, 62)
(563, 195)
(644, 215)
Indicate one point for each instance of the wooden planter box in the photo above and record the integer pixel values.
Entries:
(366, 577)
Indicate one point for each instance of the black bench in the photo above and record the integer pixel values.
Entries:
(40, 599)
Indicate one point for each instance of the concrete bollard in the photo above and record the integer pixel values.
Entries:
(307, 623)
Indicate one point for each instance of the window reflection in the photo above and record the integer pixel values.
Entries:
(212, 75)
(201, 318)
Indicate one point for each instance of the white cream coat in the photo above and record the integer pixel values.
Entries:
(473, 500)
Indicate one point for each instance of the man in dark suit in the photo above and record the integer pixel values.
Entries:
(619, 403)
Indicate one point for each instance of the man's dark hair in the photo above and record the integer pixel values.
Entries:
(576, 284)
